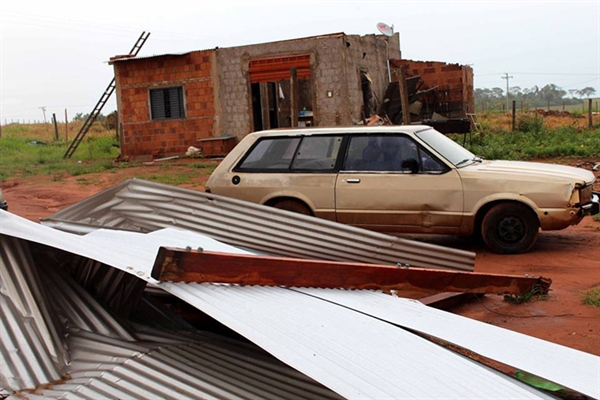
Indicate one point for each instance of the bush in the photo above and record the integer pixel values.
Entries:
(530, 123)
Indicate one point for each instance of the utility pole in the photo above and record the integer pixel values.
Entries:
(44, 110)
(507, 87)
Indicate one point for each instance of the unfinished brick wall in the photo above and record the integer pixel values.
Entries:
(454, 81)
(142, 137)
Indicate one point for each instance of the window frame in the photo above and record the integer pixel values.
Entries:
(183, 105)
(419, 146)
(340, 156)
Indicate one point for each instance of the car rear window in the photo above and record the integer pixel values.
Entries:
(317, 153)
(309, 153)
(271, 154)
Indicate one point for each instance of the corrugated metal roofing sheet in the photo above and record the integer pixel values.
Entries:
(568, 367)
(354, 354)
(143, 206)
(176, 368)
(112, 359)
(32, 350)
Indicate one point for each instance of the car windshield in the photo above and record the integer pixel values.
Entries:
(448, 148)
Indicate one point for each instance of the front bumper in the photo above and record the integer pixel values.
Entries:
(592, 207)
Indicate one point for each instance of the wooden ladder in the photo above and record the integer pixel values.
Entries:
(103, 99)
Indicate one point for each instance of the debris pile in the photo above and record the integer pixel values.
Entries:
(153, 291)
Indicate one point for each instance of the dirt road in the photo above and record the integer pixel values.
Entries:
(571, 258)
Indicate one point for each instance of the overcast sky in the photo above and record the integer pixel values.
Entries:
(54, 53)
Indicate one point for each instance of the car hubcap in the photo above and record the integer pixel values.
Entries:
(511, 229)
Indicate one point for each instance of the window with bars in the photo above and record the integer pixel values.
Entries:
(167, 103)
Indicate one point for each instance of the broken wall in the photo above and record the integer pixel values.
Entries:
(369, 54)
(454, 95)
(141, 136)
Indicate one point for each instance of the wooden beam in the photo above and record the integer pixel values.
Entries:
(264, 105)
(294, 96)
(179, 265)
(403, 96)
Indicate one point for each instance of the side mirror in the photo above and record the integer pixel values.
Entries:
(411, 164)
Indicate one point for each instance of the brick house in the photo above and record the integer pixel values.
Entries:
(169, 102)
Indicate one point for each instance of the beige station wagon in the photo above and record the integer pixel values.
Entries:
(405, 179)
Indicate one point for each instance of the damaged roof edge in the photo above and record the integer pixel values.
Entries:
(125, 58)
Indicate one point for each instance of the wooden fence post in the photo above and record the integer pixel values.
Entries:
(514, 115)
(55, 127)
(66, 128)
(591, 125)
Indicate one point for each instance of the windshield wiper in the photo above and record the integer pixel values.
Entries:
(474, 159)
(463, 161)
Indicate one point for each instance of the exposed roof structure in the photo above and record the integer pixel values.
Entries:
(143, 206)
(356, 351)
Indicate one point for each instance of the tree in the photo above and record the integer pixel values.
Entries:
(587, 92)
(515, 91)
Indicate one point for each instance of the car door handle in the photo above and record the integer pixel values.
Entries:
(353, 180)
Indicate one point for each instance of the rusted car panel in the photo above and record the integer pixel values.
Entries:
(407, 179)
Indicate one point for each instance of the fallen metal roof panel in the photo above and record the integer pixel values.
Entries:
(32, 350)
(354, 354)
(110, 358)
(144, 206)
(502, 345)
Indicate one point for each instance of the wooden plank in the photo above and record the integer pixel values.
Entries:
(294, 97)
(404, 96)
(179, 265)
(264, 105)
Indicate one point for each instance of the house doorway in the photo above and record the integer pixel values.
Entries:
(271, 92)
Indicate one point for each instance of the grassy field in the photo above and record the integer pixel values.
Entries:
(534, 137)
(27, 150)
(31, 150)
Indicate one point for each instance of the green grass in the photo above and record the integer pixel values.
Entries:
(173, 177)
(20, 158)
(534, 140)
(591, 297)
(596, 217)
(206, 168)
(533, 295)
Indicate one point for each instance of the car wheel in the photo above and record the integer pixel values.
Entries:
(510, 228)
(293, 206)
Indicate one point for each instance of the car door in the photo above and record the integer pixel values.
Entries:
(300, 168)
(392, 183)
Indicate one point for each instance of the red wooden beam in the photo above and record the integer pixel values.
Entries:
(177, 265)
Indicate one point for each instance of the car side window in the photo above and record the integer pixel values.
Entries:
(388, 153)
(317, 153)
(271, 154)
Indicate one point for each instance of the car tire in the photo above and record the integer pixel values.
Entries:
(510, 228)
(293, 206)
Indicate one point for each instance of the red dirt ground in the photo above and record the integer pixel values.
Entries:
(571, 258)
